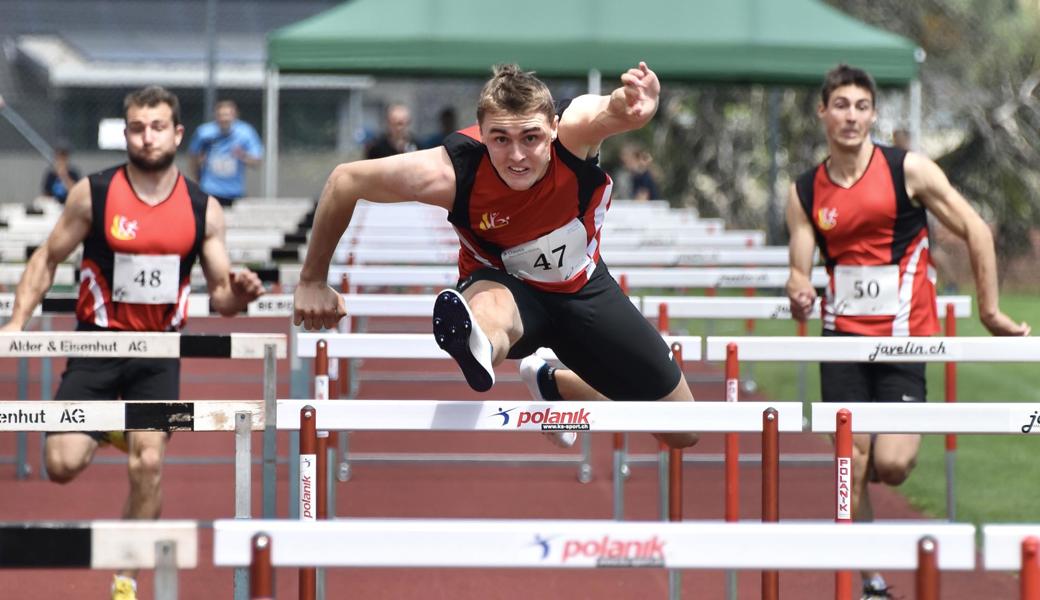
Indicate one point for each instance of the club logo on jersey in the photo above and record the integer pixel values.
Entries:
(827, 218)
(489, 221)
(123, 228)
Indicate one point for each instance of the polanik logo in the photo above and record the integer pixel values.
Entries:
(606, 551)
(547, 420)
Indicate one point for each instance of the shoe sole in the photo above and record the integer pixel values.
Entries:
(452, 328)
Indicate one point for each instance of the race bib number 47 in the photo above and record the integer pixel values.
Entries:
(555, 257)
(145, 278)
(866, 290)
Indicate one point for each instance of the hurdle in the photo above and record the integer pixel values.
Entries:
(1014, 548)
(589, 544)
(419, 415)
(165, 546)
(422, 346)
(883, 349)
(268, 347)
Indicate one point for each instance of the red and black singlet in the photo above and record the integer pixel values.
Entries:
(135, 235)
(868, 228)
(490, 217)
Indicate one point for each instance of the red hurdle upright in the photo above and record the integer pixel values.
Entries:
(951, 438)
(927, 578)
(261, 580)
(309, 475)
(770, 491)
(1030, 579)
(732, 439)
(843, 491)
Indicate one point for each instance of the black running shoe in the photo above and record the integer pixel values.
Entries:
(457, 333)
(871, 592)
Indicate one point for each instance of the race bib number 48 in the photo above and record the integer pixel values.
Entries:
(866, 290)
(145, 278)
(555, 257)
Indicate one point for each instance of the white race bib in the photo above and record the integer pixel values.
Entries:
(552, 258)
(146, 278)
(861, 290)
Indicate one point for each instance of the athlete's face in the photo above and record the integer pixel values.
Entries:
(519, 146)
(848, 116)
(151, 136)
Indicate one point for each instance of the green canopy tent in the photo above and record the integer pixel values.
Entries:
(736, 41)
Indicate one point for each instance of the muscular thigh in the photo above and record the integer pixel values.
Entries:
(601, 336)
(534, 321)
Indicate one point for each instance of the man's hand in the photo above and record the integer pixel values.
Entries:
(316, 305)
(802, 297)
(641, 89)
(245, 286)
(1001, 324)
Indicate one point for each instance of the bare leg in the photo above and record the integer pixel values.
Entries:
(496, 313)
(681, 393)
(67, 454)
(147, 449)
(890, 457)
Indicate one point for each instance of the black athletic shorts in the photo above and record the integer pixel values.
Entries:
(90, 378)
(596, 332)
(871, 382)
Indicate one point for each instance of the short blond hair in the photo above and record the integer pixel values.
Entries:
(515, 92)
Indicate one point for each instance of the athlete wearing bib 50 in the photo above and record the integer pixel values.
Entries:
(142, 226)
(527, 198)
(866, 207)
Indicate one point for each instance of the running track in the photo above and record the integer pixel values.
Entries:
(466, 491)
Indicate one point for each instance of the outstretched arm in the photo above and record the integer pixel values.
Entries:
(800, 290)
(591, 119)
(926, 182)
(426, 176)
(71, 229)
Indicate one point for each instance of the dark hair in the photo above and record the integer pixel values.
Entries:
(842, 75)
(516, 92)
(153, 95)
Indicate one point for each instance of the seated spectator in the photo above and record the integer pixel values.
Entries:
(60, 176)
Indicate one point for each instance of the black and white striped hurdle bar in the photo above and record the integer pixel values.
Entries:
(139, 344)
(103, 544)
(590, 543)
(137, 415)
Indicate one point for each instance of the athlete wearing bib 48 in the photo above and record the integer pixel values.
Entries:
(525, 193)
(142, 226)
(866, 207)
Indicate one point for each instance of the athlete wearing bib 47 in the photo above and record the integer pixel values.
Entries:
(866, 208)
(525, 194)
(142, 226)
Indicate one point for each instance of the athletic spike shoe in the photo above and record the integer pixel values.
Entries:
(533, 368)
(123, 588)
(456, 332)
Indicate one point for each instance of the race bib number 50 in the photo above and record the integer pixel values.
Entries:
(866, 290)
(556, 256)
(145, 278)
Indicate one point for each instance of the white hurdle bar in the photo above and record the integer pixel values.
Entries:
(877, 349)
(138, 344)
(499, 415)
(582, 544)
(422, 345)
(930, 417)
(161, 545)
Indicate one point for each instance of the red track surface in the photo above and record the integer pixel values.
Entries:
(430, 491)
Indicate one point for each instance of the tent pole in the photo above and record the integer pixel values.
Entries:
(916, 104)
(271, 89)
(595, 82)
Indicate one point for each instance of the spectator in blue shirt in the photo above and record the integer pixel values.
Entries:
(221, 150)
